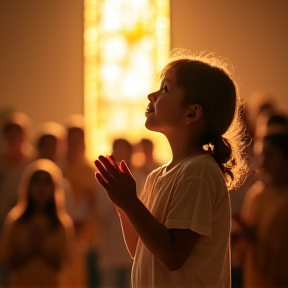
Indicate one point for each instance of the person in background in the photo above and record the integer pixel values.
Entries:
(50, 141)
(50, 144)
(257, 104)
(15, 128)
(149, 163)
(237, 196)
(123, 149)
(178, 229)
(262, 232)
(37, 237)
(81, 203)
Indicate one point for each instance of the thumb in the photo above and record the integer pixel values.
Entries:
(124, 168)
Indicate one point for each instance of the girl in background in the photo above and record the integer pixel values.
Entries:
(37, 239)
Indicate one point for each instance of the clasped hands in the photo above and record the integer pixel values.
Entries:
(117, 180)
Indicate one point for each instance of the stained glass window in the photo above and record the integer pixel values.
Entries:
(126, 43)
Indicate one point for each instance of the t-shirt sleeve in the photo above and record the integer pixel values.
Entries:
(191, 207)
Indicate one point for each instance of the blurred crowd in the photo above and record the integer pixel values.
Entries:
(259, 232)
(57, 227)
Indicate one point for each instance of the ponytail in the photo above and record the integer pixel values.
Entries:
(222, 154)
(228, 151)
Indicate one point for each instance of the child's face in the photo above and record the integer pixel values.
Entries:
(165, 112)
(41, 188)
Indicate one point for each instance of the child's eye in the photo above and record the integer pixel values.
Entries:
(164, 88)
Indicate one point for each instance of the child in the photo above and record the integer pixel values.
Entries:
(178, 229)
(37, 235)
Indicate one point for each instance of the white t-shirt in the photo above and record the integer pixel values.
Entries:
(192, 195)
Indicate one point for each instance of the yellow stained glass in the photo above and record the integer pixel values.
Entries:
(126, 43)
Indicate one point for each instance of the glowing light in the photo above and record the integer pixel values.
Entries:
(126, 43)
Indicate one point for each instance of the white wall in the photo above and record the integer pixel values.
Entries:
(41, 58)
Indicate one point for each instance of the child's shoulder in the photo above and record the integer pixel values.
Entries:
(157, 172)
(203, 161)
(202, 167)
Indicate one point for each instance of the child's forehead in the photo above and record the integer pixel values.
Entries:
(168, 73)
(167, 80)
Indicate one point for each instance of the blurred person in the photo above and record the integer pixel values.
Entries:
(261, 227)
(50, 141)
(123, 149)
(237, 197)
(50, 144)
(81, 205)
(37, 238)
(253, 111)
(16, 156)
(149, 163)
(115, 262)
(257, 103)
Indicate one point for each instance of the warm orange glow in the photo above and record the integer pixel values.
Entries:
(126, 43)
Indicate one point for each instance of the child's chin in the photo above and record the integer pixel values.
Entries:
(149, 125)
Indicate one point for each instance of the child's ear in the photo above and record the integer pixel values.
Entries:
(194, 113)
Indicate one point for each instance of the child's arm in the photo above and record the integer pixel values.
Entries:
(170, 246)
(129, 233)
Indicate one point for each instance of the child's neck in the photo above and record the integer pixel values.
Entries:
(183, 146)
(181, 152)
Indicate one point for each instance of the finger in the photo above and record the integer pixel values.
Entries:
(110, 165)
(101, 181)
(112, 157)
(104, 173)
(124, 168)
(113, 162)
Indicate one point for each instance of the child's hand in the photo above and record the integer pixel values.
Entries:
(117, 180)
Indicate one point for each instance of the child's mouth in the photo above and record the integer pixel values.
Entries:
(149, 110)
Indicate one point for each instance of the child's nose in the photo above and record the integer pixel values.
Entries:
(153, 96)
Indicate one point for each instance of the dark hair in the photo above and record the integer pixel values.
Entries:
(50, 209)
(211, 87)
(8, 127)
(279, 141)
(277, 119)
(76, 129)
(147, 143)
(122, 142)
(43, 138)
